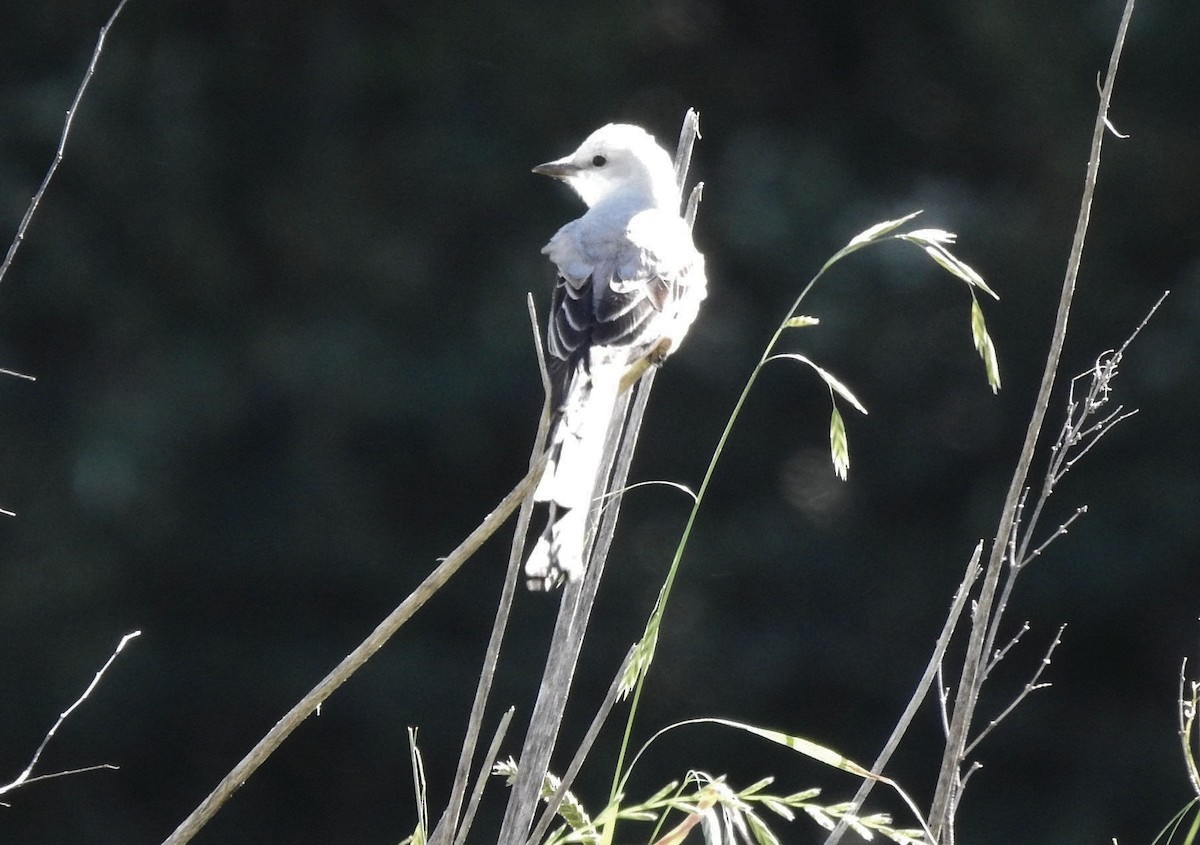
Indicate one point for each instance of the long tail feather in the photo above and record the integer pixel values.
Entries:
(570, 482)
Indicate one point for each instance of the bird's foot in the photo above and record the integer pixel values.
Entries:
(657, 354)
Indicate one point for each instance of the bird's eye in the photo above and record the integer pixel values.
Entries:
(599, 161)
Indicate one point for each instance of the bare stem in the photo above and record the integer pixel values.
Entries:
(1058, 532)
(23, 227)
(1033, 684)
(932, 671)
(1187, 724)
(1001, 653)
(26, 776)
(485, 772)
(354, 661)
(941, 816)
(448, 828)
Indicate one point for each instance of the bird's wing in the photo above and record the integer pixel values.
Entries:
(616, 291)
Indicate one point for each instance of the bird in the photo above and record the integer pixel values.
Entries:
(629, 283)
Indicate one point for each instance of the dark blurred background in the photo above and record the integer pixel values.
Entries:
(275, 305)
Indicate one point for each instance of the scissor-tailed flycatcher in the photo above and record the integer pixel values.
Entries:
(629, 285)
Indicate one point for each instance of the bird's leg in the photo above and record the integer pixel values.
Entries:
(653, 358)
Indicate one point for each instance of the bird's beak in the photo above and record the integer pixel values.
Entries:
(563, 168)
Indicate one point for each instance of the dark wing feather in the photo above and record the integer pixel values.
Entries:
(584, 315)
(609, 292)
(568, 335)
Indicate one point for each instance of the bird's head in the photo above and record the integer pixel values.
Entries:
(618, 161)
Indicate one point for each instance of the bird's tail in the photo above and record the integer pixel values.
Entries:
(569, 484)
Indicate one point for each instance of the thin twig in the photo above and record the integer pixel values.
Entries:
(27, 775)
(1001, 652)
(1187, 722)
(1058, 532)
(98, 767)
(354, 661)
(689, 132)
(932, 671)
(23, 227)
(943, 700)
(962, 781)
(481, 780)
(1075, 440)
(15, 374)
(1031, 686)
(543, 370)
(1093, 435)
(942, 811)
(448, 828)
(1018, 520)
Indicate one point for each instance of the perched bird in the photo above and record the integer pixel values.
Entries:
(630, 282)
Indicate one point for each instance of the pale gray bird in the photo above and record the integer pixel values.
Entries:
(630, 282)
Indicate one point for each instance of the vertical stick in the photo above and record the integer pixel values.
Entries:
(941, 814)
